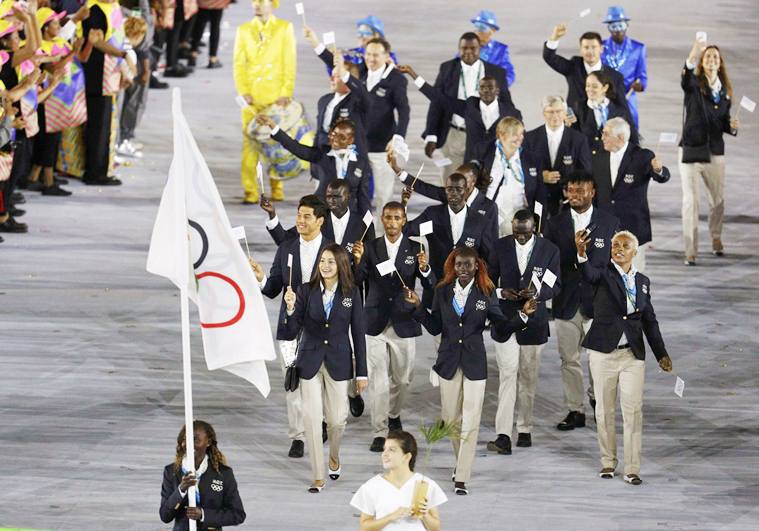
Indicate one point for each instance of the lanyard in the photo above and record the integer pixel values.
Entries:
(518, 173)
(456, 307)
(463, 84)
(630, 292)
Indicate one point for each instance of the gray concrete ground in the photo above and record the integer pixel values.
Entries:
(91, 399)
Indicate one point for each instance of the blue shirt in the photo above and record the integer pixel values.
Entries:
(628, 58)
(497, 53)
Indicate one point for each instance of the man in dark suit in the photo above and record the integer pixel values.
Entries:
(573, 306)
(616, 352)
(522, 266)
(481, 112)
(459, 78)
(293, 265)
(453, 225)
(340, 226)
(390, 328)
(560, 150)
(577, 68)
(341, 103)
(622, 171)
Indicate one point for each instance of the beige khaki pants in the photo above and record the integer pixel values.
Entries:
(713, 175)
(454, 149)
(517, 381)
(384, 179)
(618, 373)
(325, 398)
(390, 363)
(461, 403)
(570, 334)
(295, 430)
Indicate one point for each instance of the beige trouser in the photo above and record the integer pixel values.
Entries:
(390, 362)
(454, 149)
(640, 259)
(570, 334)
(461, 403)
(293, 400)
(713, 175)
(618, 373)
(325, 398)
(517, 380)
(384, 179)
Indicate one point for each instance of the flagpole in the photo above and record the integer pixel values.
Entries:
(187, 376)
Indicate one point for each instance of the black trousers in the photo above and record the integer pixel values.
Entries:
(46, 145)
(172, 44)
(22, 165)
(97, 136)
(212, 16)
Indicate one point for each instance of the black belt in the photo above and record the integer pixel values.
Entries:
(457, 128)
(623, 346)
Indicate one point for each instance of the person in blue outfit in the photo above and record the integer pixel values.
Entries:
(367, 29)
(626, 56)
(491, 50)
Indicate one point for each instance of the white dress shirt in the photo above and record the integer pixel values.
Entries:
(628, 277)
(595, 68)
(373, 77)
(510, 197)
(554, 139)
(457, 223)
(339, 225)
(392, 248)
(581, 221)
(470, 86)
(490, 112)
(461, 294)
(523, 253)
(598, 111)
(472, 196)
(330, 110)
(308, 254)
(615, 159)
(342, 158)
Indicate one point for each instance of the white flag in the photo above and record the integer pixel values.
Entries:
(368, 218)
(233, 319)
(299, 9)
(748, 104)
(585, 12)
(425, 228)
(549, 278)
(239, 232)
(539, 209)
(442, 162)
(679, 386)
(328, 38)
(667, 138)
(386, 267)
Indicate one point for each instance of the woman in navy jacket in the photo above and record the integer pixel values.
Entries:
(464, 300)
(328, 313)
(217, 502)
(601, 107)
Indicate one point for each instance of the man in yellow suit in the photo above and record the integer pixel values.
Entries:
(264, 70)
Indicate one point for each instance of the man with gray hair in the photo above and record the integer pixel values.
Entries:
(622, 171)
(559, 149)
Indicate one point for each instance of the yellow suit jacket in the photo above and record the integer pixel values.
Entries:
(265, 61)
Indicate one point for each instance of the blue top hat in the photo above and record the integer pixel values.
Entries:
(615, 14)
(373, 22)
(486, 17)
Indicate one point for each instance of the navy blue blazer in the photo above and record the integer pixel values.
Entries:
(327, 339)
(447, 81)
(384, 296)
(478, 138)
(461, 344)
(279, 275)
(628, 198)
(219, 499)
(611, 318)
(323, 169)
(386, 98)
(573, 154)
(576, 294)
(534, 188)
(353, 231)
(353, 107)
(573, 70)
(504, 272)
(592, 130)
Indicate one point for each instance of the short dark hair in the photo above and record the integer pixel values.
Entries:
(523, 215)
(579, 177)
(491, 78)
(379, 40)
(469, 36)
(407, 443)
(591, 36)
(315, 202)
(394, 205)
(457, 177)
(344, 122)
(339, 184)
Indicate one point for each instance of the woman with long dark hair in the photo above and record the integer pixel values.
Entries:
(602, 105)
(217, 502)
(464, 300)
(706, 117)
(327, 313)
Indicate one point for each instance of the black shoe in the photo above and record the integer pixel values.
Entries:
(16, 212)
(214, 64)
(184, 53)
(156, 83)
(1, 239)
(325, 436)
(573, 420)
(378, 445)
(593, 405)
(460, 488)
(296, 449)
(60, 180)
(13, 226)
(357, 405)
(502, 444)
(103, 181)
(192, 61)
(175, 71)
(55, 190)
(394, 424)
(34, 186)
(524, 440)
(17, 198)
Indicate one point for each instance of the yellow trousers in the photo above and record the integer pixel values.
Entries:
(250, 155)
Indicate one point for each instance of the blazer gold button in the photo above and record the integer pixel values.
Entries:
(326, 325)
(594, 151)
(461, 340)
(624, 317)
(461, 324)
(326, 342)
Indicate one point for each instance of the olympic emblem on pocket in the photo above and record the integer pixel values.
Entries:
(381, 92)
(644, 287)
(482, 212)
(481, 305)
(629, 178)
(349, 247)
(347, 302)
(469, 242)
(409, 260)
(567, 160)
(358, 172)
(217, 485)
(600, 243)
(533, 172)
(344, 113)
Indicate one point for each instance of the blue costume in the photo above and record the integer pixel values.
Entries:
(374, 25)
(628, 58)
(494, 52)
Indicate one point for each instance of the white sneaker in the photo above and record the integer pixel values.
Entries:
(126, 149)
(139, 146)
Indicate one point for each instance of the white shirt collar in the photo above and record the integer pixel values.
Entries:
(597, 106)
(581, 221)
(633, 270)
(595, 68)
(473, 67)
(457, 289)
(316, 242)
(472, 197)
(460, 215)
(527, 247)
(489, 107)
(343, 220)
(717, 86)
(329, 292)
(555, 134)
(617, 155)
(396, 245)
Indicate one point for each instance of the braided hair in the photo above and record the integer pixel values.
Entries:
(215, 456)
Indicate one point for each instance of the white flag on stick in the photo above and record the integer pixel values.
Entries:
(748, 104)
(233, 319)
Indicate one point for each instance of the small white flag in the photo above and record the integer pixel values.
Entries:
(747, 104)
(442, 162)
(400, 147)
(239, 232)
(536, 282)
(679, 387)
(299, 9)
(539, 209)
(241, 102)
(701, 36)
(385, 268)
(368, 218)
(584, 13)
(549, 278)
(425, 228)
(289, 260)
(260, 175)
(328, 38)
(667, 138)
